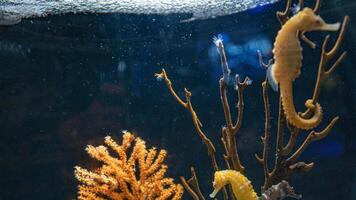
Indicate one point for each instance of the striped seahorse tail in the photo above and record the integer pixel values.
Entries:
(290, 112)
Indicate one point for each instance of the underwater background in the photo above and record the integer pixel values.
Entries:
(68, 81)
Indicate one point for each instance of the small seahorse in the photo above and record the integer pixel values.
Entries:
(241, 186)
(288, 62)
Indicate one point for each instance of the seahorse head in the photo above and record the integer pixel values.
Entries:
(220, 180)
(307, 20)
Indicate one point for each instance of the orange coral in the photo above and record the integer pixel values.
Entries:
(138, 177)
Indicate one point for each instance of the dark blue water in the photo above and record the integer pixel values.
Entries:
(68, 81)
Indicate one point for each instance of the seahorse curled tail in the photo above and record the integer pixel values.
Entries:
(291, 114)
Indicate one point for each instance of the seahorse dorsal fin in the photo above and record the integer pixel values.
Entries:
(271, 79)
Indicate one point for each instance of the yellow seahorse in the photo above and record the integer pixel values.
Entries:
(241, 186)
(288, 62)
(243, 190)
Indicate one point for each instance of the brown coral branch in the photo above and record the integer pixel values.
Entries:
(208, 143)
(284, 166)
(278, 172)
(301, 4)
(197, 124)
(233, 154)
(317, 6)
(313, 136)
(230, 130)
(283, 16)
(240, 87)
(192, 186)
(326, 56)
(224, 141)
(280, 169)
(294, 132)
(305, 39)
(225, 104)
(265, 139)
(262, 63)
(227, 155)
(280, 128)
(189, 189)
(163, 75)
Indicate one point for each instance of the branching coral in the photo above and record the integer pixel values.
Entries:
(285, 159)
(275, 186)
(228, 131)
(139, 176)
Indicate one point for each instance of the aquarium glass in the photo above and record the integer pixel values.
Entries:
(196, 79)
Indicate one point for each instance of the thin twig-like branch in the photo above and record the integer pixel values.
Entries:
(283, 16)
(192, 186)
(262, 63)
(206, 140)
(265, 139)
(303, 37)
(301, 4)
(317, 6)
(189, 189)
(194, 182)
(233, 155)
(225, 104)
(280, 130)
(163, 75)
(326, 56)
(230, 130)
(313, 136)
(294, 132)
(231, 134)
(224, 141)
(197, 124)
(240, 87)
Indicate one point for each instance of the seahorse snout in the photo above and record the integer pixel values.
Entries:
(329, 27)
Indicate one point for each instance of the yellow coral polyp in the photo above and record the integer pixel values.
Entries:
(241, 186)
(139, 176)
